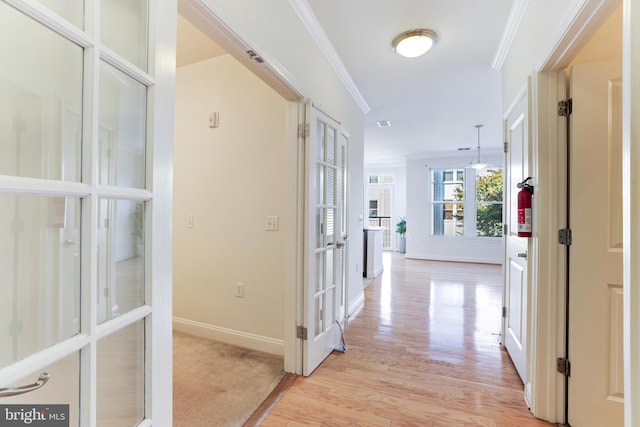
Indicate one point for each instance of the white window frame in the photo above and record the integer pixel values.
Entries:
(470, 205)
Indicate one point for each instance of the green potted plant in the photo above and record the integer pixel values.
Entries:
(401, 229)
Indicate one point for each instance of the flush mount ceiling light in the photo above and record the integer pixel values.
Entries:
(414, 43)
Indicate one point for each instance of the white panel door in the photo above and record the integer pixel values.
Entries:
(516, 281)
(324, 288)
(596, 383)
(61, 82)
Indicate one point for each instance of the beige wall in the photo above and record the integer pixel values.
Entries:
(229, 179)
(606, 43)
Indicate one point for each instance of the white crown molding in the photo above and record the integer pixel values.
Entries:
(470, 155)
(516, 15)
(385, 164)
(309, 20)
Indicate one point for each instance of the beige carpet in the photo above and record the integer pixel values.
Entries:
(217, 384)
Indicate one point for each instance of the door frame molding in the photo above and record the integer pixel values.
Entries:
(212, 20)
(631, 214)
(548, 336)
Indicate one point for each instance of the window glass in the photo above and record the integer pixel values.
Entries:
(122, 132)
(380, 179)
(448, 217)
(62, 388)
(71, 10)
(123, 28)
(39, 267)
(489, 193)
(120, 376)
(40, 100)
(478, 192)
(373, 208)
(320, 137)
(121, 241)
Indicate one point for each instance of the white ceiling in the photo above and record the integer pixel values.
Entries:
(433, 102)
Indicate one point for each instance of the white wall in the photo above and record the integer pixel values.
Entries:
(420, 243)
(533, 40)
(229, 178)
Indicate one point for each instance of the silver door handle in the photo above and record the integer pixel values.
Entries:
(340, 244)
(70, 243)
(522, 255)
(12, 391)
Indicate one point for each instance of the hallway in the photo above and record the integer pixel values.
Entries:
(423, 351)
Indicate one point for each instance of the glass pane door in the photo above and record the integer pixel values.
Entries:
(76, 206)
(326, 235)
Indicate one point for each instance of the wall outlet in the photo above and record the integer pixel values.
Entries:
(271, 223)
(240, 290)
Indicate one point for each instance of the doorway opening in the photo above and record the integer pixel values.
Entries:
(380, 207)
(231, 212)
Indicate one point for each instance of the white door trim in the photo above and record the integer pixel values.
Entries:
(631, 217)
(549, 268)
(162, 29)
(294, 241)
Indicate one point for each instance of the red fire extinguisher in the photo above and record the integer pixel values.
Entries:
(524, 209)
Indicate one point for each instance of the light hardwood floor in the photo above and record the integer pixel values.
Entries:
(423, 351)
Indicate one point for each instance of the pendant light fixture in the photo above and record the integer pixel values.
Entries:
(414, 43)
(478, 164)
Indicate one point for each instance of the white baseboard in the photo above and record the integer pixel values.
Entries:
(356, 304)
(229, 336)
(435, 257)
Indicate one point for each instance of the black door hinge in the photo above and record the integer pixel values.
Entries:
(563, 366)
(565, 107)
(565, 237)
(301, 332)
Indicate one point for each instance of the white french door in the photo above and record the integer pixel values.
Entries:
(325, 236)
(69, 70)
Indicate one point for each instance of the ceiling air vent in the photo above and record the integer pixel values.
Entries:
(384, 123)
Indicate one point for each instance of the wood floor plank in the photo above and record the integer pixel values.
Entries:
(423, 351)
